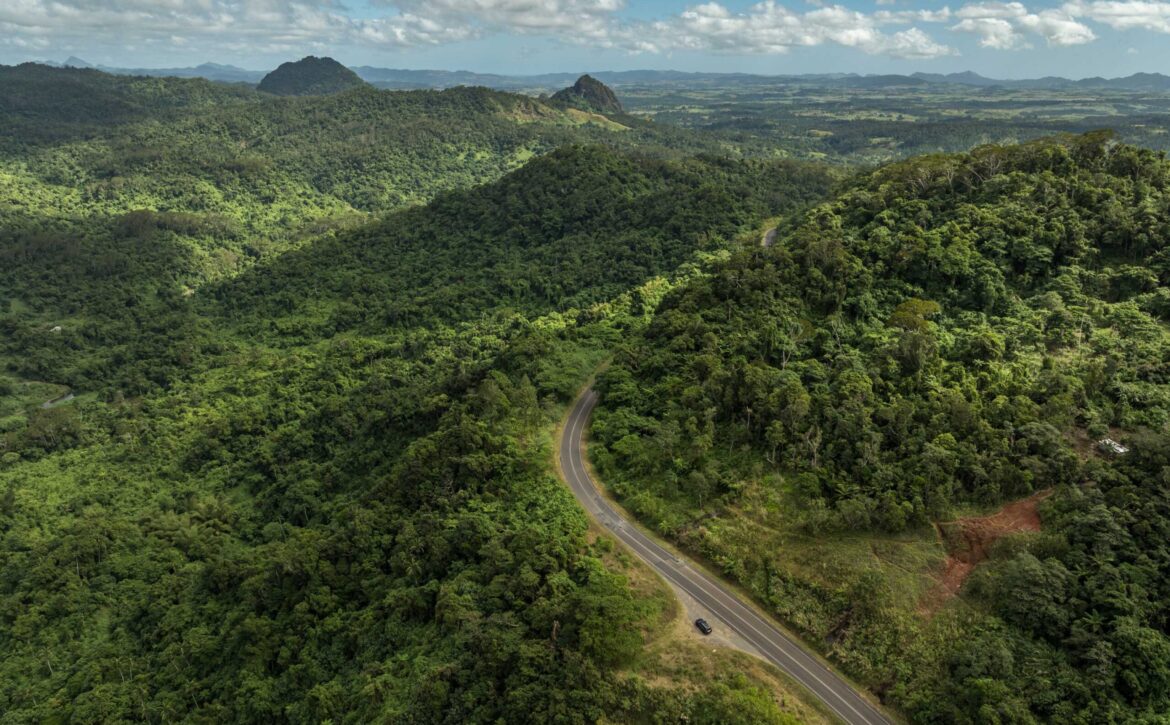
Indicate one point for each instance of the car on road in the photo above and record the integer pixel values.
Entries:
(703, 626)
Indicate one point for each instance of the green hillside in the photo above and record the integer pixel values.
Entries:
(336, 502)
(84, 148)
(568, 230)
(44, 105)
(111, 217)
(588, 94)
(951, 333)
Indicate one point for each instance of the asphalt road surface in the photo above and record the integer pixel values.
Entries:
(778, 648)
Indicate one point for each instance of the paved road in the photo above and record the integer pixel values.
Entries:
(774, 645)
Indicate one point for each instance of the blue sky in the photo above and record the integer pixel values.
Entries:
(1072, 38)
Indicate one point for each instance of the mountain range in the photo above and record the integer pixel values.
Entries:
(399, 78)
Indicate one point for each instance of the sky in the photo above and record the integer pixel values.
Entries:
(1073, 38)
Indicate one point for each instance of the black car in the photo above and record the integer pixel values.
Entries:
(703, 626)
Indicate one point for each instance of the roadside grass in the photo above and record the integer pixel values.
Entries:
(673, 661)
(767, 546)
(767, 521)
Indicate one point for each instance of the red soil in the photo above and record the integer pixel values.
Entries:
(968, 540)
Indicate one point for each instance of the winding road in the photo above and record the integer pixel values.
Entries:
(727, 608)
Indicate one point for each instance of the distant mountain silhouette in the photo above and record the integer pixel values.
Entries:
(333, 77)
(1135, 82)
(589, 94)
(310, 76)
(966, 78)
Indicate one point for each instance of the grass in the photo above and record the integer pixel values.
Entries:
(579, 117)
(764, 521)
(673, 660)
(767, 548)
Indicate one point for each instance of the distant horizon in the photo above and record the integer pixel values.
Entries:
(600, 71)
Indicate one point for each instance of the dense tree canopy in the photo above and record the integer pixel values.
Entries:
(117, 207)
(318, 344)
(310, 76)
(953, 330)
(321, 489)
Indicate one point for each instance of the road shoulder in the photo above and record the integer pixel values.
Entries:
(677, 646)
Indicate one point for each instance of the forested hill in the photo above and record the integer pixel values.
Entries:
(589, 94)
(568, 230)
(106, 224)
(310, 76)
(954, 331)
(318, 345)
(324, 493)
(45, 105)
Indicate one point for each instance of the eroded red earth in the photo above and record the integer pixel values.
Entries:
(968, 540)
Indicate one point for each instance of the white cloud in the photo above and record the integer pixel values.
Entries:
(1003, 25)
(767, 27)
(771, 28)
(287, 26)
(914, 43)
(266, 25)
(992, 10)
(1123, 15)
(913, 16)
(1058, 28)
(587, 17)
(993, 32)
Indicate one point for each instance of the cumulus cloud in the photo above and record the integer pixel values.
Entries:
(913, 16)
(767, 27)
(993, 32)
(1005, 25)
(538, 16)
(277, 25)
(1058, 28)
(267, 25)
(1123, 15)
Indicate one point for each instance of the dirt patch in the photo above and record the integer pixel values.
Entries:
(1086, 446)
(968, 540)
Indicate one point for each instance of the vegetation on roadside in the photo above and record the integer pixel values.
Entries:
(953, 331)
